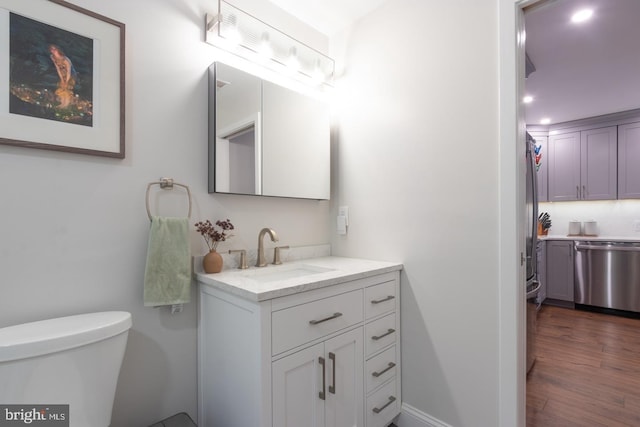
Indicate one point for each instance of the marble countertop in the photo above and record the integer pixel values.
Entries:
(600, 238)
(263, 283)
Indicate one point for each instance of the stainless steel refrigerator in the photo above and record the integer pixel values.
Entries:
(532, 283)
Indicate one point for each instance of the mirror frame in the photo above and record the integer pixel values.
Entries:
(315, 160)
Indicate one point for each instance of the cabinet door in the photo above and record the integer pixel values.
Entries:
(564, 167)
(560, 270)
(542, 270)
(598, 159)
(628, 161)
(345, 386)
(296, 385)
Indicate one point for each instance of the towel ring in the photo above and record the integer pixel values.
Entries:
(167, 184)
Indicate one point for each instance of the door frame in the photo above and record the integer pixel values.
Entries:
(512, 306)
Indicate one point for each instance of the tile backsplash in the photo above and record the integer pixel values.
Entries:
(615, 218)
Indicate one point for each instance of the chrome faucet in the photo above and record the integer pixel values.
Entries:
(274, 238)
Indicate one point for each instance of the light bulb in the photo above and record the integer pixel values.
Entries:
(264, 48)
(582, 16)
(293, 64)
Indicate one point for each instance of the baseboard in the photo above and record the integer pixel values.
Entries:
(412, 417)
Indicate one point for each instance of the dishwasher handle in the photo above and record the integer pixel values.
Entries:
(580, 247)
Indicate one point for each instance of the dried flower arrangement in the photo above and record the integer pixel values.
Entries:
(213, 236)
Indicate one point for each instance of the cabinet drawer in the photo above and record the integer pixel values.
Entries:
(382, 406)
(381, 368)
(303, 323)
(380, 299)
(380, 333)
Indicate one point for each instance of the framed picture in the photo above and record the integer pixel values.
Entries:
(61, 78)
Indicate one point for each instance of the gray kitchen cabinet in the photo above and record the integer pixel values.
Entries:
(628, 161)
(564, 167)
(583, 165)
(542, 270)
(559, 272)
(598, 163)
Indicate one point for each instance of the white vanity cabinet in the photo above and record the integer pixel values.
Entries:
(328, 356)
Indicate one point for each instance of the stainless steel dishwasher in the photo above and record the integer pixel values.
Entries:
(607, 274)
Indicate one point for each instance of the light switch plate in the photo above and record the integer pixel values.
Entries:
(344, 211)
(341, 225)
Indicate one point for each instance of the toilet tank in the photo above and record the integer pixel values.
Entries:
(72, 360)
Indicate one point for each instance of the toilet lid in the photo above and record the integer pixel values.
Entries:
(62, 333)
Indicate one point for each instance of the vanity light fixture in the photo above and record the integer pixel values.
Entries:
(242, 34)
(527, 99)
(545, 121)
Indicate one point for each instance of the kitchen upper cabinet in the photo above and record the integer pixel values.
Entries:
(559, 272)
(564, 167)
(583, 165)
(598, 163)
(628, 161)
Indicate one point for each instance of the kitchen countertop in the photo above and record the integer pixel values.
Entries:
(590, 238)
(331, 271)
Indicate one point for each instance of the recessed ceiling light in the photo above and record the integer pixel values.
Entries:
(545, 121)
(527, 99)
(581, 15)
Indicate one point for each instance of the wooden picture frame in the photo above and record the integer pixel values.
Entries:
(62, 78)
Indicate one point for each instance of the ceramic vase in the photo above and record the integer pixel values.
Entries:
(212, 262)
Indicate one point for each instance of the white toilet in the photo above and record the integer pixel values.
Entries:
(71, 360)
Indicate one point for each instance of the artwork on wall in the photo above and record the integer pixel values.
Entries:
(61, 78)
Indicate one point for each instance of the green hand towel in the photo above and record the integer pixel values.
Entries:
(167, 276)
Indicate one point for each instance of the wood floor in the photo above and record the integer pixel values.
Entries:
(587, 370)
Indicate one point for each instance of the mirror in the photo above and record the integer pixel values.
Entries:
(265, 139)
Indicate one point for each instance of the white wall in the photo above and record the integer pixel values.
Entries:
(418, 166)
(73, 235)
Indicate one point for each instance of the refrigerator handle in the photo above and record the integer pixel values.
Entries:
(534, 188)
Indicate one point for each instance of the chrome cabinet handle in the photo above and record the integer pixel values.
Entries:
(332, 387)
(378, 410)
(584, 192)
(389, 332)
(321, 361)
(390, 297)
(578, 192)
(389, 366)
(315, 322)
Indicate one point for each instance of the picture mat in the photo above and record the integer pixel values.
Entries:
(104, 135)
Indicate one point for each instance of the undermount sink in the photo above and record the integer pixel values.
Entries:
(284, 272)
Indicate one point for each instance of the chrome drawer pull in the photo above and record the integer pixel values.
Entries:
(390, 297)
(391, 400)
(335, 316)
(389, 366)
(321, 361)
(389, 332)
